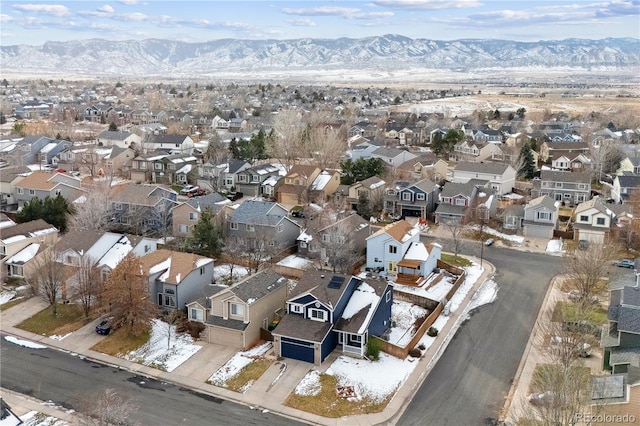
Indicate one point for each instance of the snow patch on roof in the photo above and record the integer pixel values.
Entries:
(417, 251)
(362, 297)
(413, 231)
(164, 265)
(200, 262)
(24, 255)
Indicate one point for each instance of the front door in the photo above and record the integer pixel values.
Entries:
(392, 267)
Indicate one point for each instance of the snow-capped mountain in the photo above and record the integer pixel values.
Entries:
(384, 53)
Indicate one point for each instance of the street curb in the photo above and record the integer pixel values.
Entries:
(506, 407)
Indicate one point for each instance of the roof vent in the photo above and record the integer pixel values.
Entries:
(322, 276)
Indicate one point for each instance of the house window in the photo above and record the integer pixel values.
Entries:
(105, 274)
(600, 221)
(558, 184)
(255, 178)
(340, 239)
(184, 229)
(32, 192)
(237, 309)
(250, 227)
(193, 216)
(460, 202)
(317, 314)
(20, 191)
(16, 271)
(202, 270)
(406, 196)
(158, 166)
(233, 225)
(118, 206)
(582, 186)
(242, 178)
(388, 297)
(420, 197)
(326, 238)
(584, 218)
(543, 216)
(376, 260)
(297, 309)
(393, 249)
(197, 314)
(169, 300)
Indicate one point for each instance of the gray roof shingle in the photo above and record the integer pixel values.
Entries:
(258, 286)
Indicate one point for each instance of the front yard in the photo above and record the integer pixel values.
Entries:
(244, 368)
(69, 318)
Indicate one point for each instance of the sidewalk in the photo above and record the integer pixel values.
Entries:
(267, 392)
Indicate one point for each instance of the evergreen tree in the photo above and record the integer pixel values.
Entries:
(206, 237)
(54, 211)
(113, 127)
(363, 208)
(527, 168)
(361, 169)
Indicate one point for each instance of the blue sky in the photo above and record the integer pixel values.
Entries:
(35, 22)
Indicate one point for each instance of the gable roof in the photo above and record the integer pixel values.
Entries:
(41, 180)
(625, 308)
(629, 181)
(173, 265)
(257, 286)
(544, 201)
(400, 231)
(78, 240)
(558, 176)
(482, 167)
(361, 307)
(387, 152)
(29, 229)
(166, 139)
(316, 284)
(426, 185)
(138, 194)
(257, 212)
(451, 189)
(115, 135)
(303, 170)
(594, 203)
(9, 173)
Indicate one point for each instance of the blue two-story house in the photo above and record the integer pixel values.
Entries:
(327, 311)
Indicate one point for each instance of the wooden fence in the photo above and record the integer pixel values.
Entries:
(402, 352)
(456, 285)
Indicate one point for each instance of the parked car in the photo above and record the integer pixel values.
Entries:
(625, 263)
(489, 242)
(189, 190)
(104, 327)
(233, 196)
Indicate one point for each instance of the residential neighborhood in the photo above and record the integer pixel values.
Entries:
(274, 234)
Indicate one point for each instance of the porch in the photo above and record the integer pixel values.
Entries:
(409, 273)
(352, 343)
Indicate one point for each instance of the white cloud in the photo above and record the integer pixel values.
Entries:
(301, 22)
(136, 16)
(428, 4)
(5, 18)
(345, 12)
(106, 9)
(128, 2)
(49, 9)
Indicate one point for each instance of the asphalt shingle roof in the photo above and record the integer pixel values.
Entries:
(485, 167)
(258, 286)
(265, 213)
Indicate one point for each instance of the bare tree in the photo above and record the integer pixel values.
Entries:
(327, 146)
(337, 247)
(47, 277)
(456, 229)
(285, 146)
(107, 408)
(88, 283)
(94, 212)
(126, 293)
(586, 268)
(171, 319)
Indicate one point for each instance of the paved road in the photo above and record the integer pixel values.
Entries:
(468, 384)
(48, 374)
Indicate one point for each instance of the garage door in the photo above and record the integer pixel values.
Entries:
(411, 213)
(296, 349)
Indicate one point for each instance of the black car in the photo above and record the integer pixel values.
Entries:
(104, 327)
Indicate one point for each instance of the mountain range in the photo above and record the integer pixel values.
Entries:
(153, 57)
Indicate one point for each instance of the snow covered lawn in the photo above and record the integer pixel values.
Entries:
(403, 317)
(166, 349)
(555, 246)
(35, 418)
(221, 273)
(296, 262)
(507, 237)
(236, 363)
(6, 296)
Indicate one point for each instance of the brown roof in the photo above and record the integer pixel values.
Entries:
(302, 170)
(38, 180)
(26, 228)
(78, 240)
(179, 265)
(396, 230)
(9, 173)
(135, 194)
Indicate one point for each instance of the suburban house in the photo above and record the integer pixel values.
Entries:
(187, 214)
(98, 112)
(249, 181)
(454, 200)
(9, 177)
(22, 264)
(487, 134)
(233, 316)
(171, 144)
(364, 149)
(140, 208)
(118, 161)
(387, 246)
(257, 223)
(621, 337)
(16, 238)
(540, 218)
(119, 139)
(593, 221)
(513, 217)
(296, 188)
(47, 184)
(550, 151)
(342, 237)
(326, 311)
(324, 185)
(570, 188)
(176, 278)
(502, 177)
(372, 187)
(629, 166)
(48, 155)
(171, 169)
(624, 187)
(25, 151)
(417, 199)
(392, 156)
(476, 151)
(423, 166)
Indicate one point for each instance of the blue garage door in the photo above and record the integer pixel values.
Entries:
(296, 349)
